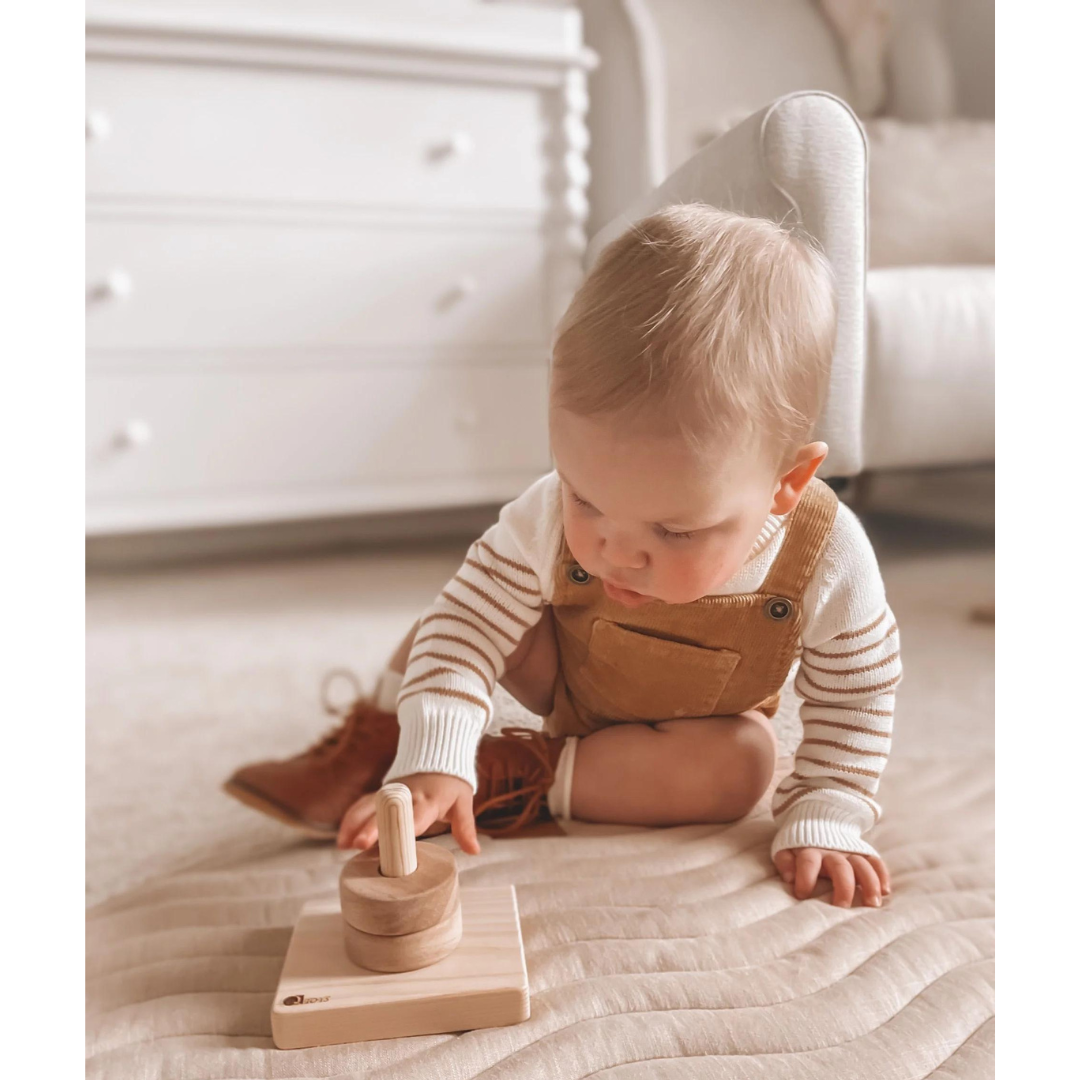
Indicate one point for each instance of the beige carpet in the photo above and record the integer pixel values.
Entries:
(671, 954)
(195, 669)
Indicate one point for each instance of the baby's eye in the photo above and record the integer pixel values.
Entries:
(580, 501)
(667, 534)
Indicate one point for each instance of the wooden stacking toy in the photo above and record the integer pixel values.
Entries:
(403, 951)
(401, 910)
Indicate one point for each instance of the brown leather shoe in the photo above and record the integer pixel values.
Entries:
(312, 791)
(515, 770)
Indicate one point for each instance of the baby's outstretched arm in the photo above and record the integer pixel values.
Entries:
(847, 678)
(828, 802)
(458, 654)
(464, 639)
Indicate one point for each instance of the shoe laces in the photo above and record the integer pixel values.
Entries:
(339, 732)
(512, 771)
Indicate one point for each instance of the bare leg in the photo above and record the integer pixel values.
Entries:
(530, 669)
(676, 772)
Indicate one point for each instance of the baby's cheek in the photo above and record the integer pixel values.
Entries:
(707, 572)
(686, 579)
(577, 540)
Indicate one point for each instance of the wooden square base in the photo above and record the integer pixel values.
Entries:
(322, 998)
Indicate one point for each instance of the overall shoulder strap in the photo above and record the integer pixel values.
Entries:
(565, 590)
(807, 532)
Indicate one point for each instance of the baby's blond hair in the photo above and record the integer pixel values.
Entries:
(705, 321)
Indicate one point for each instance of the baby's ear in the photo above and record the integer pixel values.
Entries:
(795, 480)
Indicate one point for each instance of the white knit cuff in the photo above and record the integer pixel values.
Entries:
(817, 823)
(436, 737)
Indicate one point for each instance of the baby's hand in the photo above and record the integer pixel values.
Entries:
(435, 797)
(803, 866)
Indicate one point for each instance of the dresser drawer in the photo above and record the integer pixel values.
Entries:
(192, 439)
(210, 132)
(217, 285)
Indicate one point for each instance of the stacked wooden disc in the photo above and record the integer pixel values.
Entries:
(400, 909)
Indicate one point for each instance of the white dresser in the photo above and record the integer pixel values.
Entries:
(327, 244)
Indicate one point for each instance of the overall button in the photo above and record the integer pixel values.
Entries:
(778, 608)
(578, 574)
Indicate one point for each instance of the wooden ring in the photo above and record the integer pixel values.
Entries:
(391, 906)
(404, 952)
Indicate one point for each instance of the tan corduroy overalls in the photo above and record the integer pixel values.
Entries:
(718, 656)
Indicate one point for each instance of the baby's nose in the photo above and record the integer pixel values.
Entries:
(623, 556)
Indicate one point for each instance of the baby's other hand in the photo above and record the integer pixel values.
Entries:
(803, 866)
(435, 797)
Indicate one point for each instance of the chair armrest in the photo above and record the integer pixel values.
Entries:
(803, 160)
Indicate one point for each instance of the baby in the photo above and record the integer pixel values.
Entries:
(650, 597)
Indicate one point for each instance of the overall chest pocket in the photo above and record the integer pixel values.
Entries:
(629, 675)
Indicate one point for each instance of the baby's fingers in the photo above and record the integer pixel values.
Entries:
(836, 865)
(785, 865)
(359, 828)
(463, 825)
(867, 877)
(878, 863)
(807, 868)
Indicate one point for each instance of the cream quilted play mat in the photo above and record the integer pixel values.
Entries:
(656, 953)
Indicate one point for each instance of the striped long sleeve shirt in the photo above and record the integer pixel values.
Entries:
(846, 675)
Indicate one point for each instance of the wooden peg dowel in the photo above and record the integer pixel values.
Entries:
(397, 838)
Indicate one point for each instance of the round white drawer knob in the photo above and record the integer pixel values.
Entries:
(98, 125)
(459, 145)
(134, 433)
(117, 285)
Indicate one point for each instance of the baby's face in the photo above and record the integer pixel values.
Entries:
(651, 518)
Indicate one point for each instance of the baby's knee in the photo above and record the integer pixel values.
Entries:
(748, 766)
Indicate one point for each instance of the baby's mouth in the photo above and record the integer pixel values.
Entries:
(626, 597)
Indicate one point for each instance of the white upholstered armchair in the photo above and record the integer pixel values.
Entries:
(912, 379)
